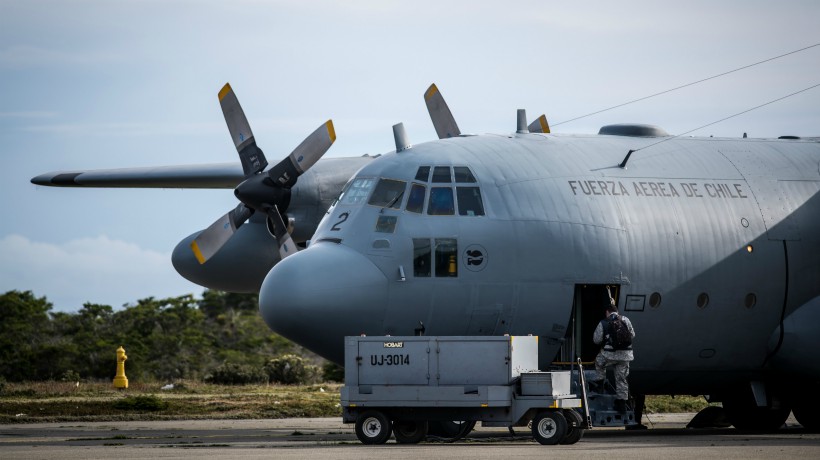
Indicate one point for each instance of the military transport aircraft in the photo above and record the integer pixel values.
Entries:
(709, 245)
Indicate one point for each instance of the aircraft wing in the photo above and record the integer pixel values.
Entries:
(214, 175)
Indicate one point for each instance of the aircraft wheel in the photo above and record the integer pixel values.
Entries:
(409, 431)
(549, 427)
(575, 430)
(744, 414)
(373, 427)
(807, 412)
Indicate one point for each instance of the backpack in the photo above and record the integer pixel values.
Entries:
(619, 336)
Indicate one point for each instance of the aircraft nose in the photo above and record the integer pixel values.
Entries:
(317, 296)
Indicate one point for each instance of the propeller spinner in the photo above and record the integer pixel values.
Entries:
(267, 192)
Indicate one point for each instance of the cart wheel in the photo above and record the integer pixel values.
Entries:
(575, 430)
(450, 431)
(409, 431)
(373, 427)
(549, 427)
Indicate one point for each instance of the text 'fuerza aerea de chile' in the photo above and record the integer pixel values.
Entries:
(658, 189)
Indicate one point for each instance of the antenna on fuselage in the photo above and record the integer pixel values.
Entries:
(400, 136)
(521, 127)
(623, 163)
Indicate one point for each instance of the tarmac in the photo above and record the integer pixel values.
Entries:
(311, 438)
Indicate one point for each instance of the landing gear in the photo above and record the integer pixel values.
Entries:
(549, 427)
(409, 432)
(373, 427)
(806, 408)
(744, 413)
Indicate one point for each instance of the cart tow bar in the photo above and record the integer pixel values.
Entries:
(583, 380)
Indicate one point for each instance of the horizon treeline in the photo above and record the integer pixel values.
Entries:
(165, 339)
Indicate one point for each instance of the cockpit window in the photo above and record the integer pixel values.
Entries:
(421, 257)
(446, 259)
(415, 202)
(386, 224)
(441, 202)
(463, 174)
(423, 174)
(469, 201)
(441, 174)
(357, 191)
(388, 193)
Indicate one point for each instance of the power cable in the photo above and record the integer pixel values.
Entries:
(687, 85)
(623, 163)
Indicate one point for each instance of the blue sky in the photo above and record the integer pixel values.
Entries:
(105, 84)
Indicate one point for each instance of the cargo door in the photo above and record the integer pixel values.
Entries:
(589, 307)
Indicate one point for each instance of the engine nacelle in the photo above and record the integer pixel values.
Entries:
(239, 266)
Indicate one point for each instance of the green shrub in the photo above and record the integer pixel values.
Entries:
(141, 403)
(70, 376)
(332, 372)
(291, 369)
(236, 374)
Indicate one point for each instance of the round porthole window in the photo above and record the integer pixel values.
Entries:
(655, 300)
(703, 300)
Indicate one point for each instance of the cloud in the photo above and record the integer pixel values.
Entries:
(97, 270)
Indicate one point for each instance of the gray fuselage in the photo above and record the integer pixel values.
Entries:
(711, 243)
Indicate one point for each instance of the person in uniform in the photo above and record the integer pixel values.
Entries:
(610, 356)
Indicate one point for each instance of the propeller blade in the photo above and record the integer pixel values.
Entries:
(440, 113)
(214, 237)
(251, 156)
(540, 125)
(304, 156)
(280, 231)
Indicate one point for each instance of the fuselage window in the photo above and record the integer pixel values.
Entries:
(441, 175)
(388, 193)
(415, 202)
(446, 257)
(463, 175)
(421, 257)
(357, 191)
(423, 174)
(441, 202)
(469, 201)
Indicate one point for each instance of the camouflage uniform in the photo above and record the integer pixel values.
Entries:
(611, 357)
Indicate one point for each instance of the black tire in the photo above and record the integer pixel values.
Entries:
(808, 415)
(373, 427)
(549, 427)
(805, 407)
(409, 431)
(745, 415)
(575, 430)
(450, 431)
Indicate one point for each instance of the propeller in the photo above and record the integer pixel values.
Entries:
(440, 113)
(540, 125)
(267, 192)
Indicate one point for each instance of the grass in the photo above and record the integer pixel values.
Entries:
(59, 401)
(659, 404)
(98, 401)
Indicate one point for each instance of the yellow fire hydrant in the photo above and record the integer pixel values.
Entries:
(121, 381)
